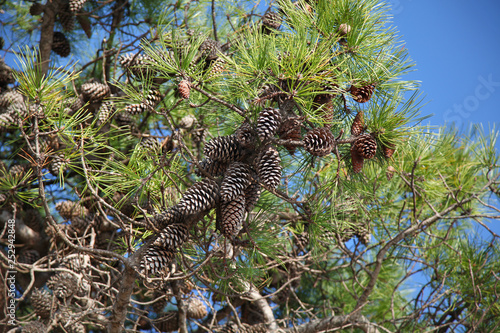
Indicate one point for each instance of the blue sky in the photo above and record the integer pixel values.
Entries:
(456, 47)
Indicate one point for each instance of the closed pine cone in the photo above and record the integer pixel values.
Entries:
(362, 94)
(366, 146)
(319, 141)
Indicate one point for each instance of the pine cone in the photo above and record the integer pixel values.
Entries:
(356, 159)
(6, 76)
(363, 235)
(268, 123)
(17, 170)
(66, 16)
(290, 130)
(245, 135)
(156, 260)
(358, 124)
(366, 146)
(151, 100)
(77, 103)
(160, 304)
(252, 195)
(210, 49)
(186, 286)
(63, 284)
(76, 5)
(235, 181)
(43, 303)
(6, 120)
(60, 45)
(34, 327)
(218, 67)
(95, 91)
(73, 263)
(105, 111)
(10, 97)
(36, 9)
(389, 150)
(199, 197)
(81, 223)
(196, 309)
(58, 163)
(344, 29)
(76, 327)
(136, 64)
(389, 173)
(170, 323)
(269, 167)
(213, 168)
(319, 141)
(29, 256)
(172, 237)
(124, 119)
(188, 122)
(184, 88)
(271, 21)
(325, 102)
(151, 144)
(245, 328)
(70, 325)
(69, 209)
(223, 149)
(363, 94)
(232, 213)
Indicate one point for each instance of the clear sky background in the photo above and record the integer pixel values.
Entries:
(456, 47)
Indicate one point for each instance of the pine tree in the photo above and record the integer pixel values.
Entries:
(253, 169)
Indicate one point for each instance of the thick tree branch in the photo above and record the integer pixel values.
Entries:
(47, 33)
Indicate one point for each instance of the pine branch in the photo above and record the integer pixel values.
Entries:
(334, 323)
(46, 33)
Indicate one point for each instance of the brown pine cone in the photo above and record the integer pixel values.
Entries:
(60, 45)
(290, 130)
(358, 125)
(319, 141)
(184, 88)
(388, 150)
(271, 21)
(232, 213)
(357, 160)
(362, 94)
(366, 146)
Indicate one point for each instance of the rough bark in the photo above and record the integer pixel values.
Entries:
(47, 33)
